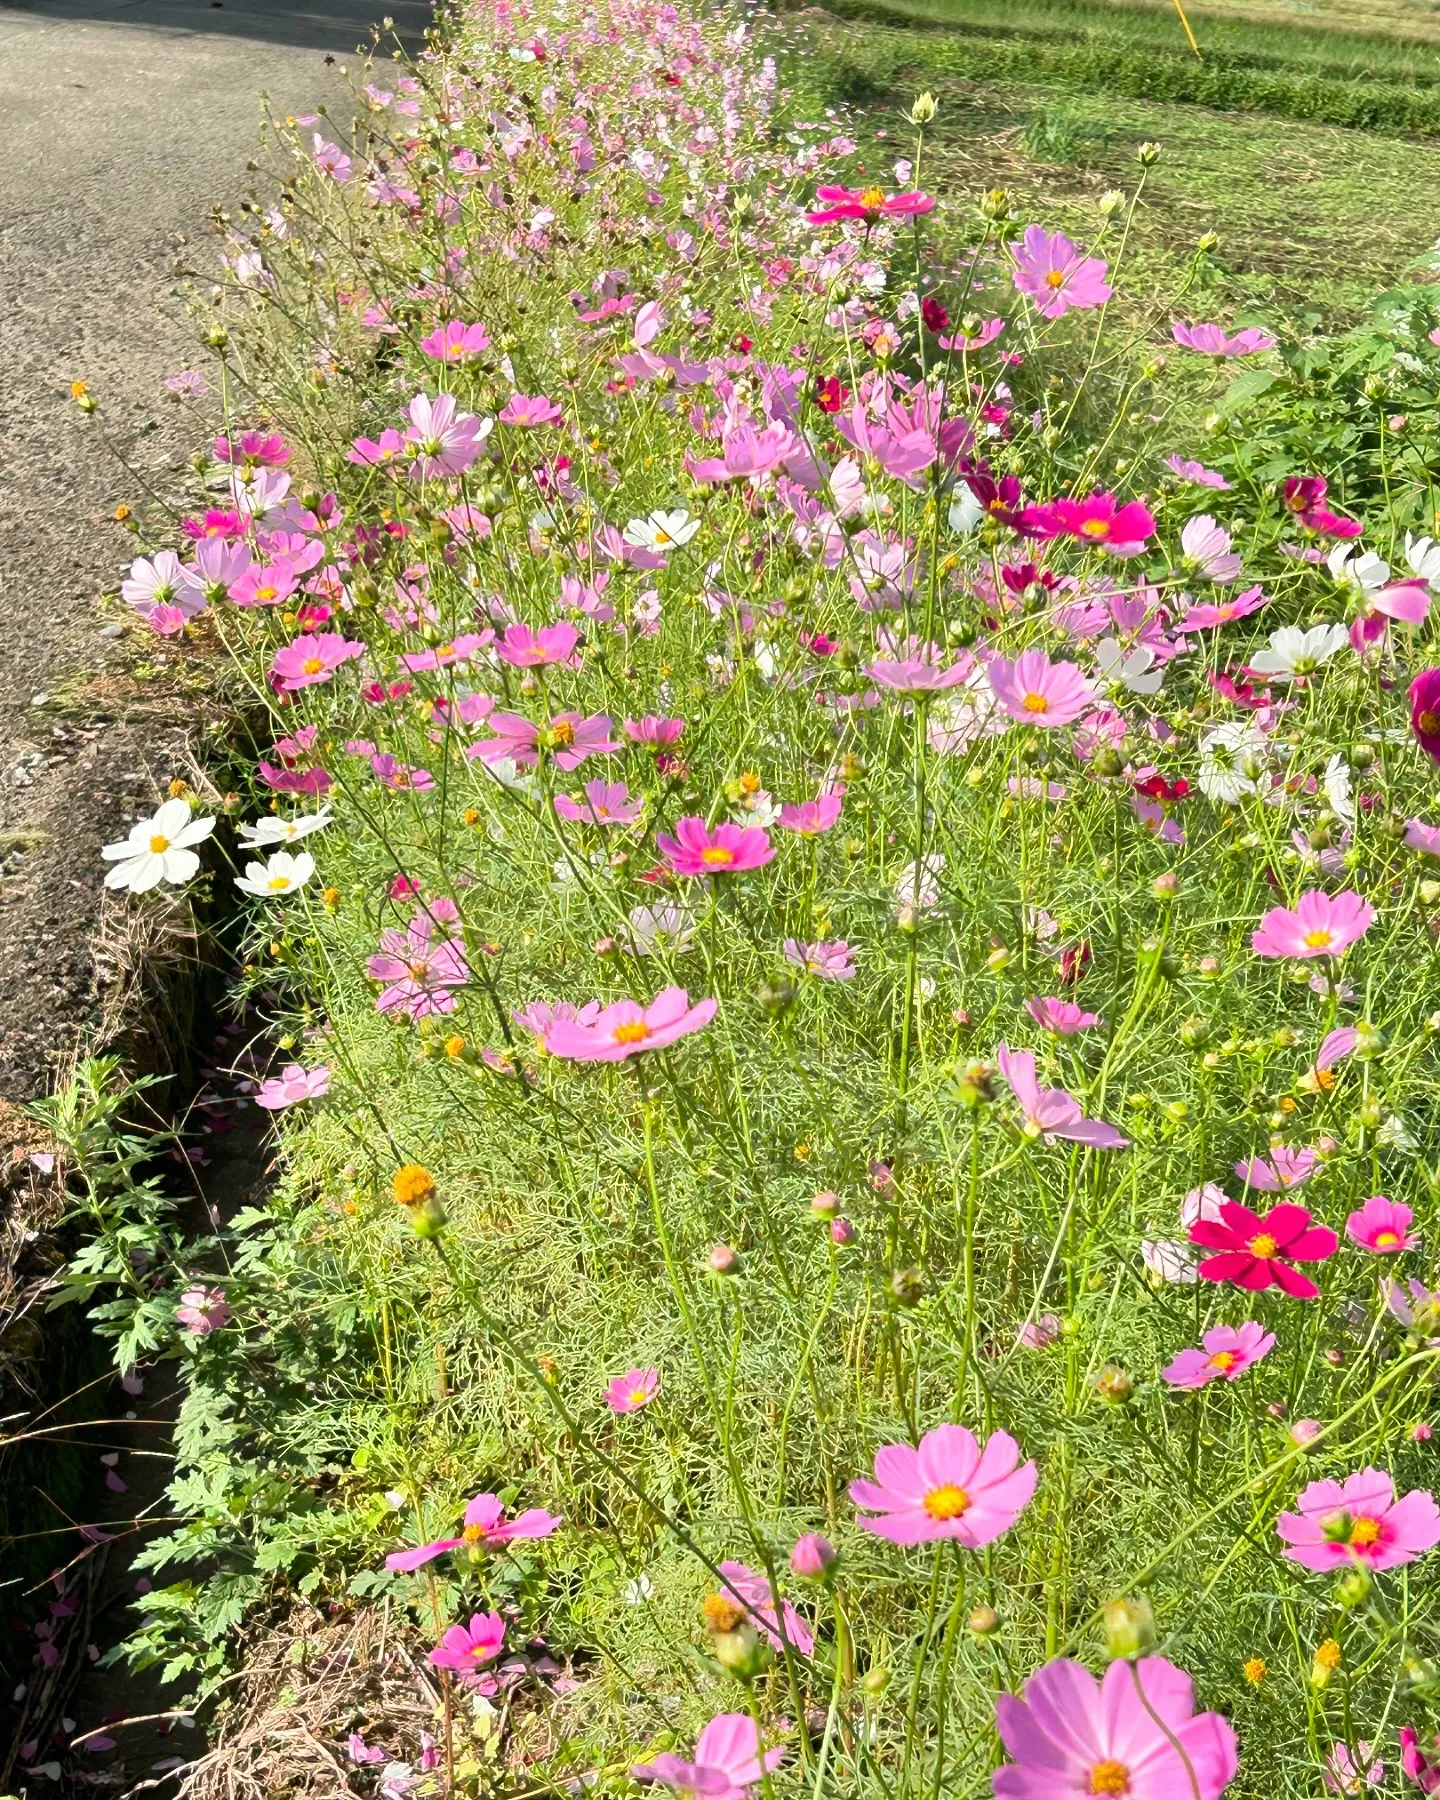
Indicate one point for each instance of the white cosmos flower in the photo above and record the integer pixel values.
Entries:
(662, 530)
(1423, 558)
(1295, 652)
(1336, 782)
(1231, 758)
(660, 928)
(283, 831)
(966, 512)
(1131, 668)
(1359, 568)
(158, 849)
(282, 874)
(1168, 1260)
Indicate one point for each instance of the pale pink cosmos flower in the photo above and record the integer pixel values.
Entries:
(419, 976)
(1282, 1170)
(203, 1310)
(1207, 545)
(1170, 1261)
(485, 1528)
(636, 1388)
(1381, 1225)
(162, 585)
(1203, 1203)
(455, 341)
(1206, 615)
(626, 1028)
(468, 1648)
(697, 850)
(540, 1016)
(1321, 924)
(1063, 1017)
(1340, 1523)
(756, 1594)
(446, 440)
(568, 738)
(917, 676)
(1420, 836)
(1342, 1775)
(728, 1763)
(292, 1085)
(1036, 691)
(313, 659)
(1038, 1334)
(454, 654)
(1189, 470)
(1057, 275)
(530, 409)
(811, 817)
(947, 1488)
(524, 648)
(1415, 1306)
(1051, 1113)
(605, 803)
(1136, 1732)
(832, 961)
(331, 160)
(1228, 1352)
(652, 729)
(1335, 1047)
(1210, 340)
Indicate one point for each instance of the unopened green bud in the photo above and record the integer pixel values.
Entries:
(925, 108)
(1129, 1627)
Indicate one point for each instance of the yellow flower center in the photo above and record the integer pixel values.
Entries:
(1036, 703)
(419, 970)
(1223, 1360)
(412, 1183)
(634, 1033)
(472, 1534)
(873, 197)
(445, 653)
(716, 856)
(946, 1501)
(1262, 1244)
(1428, 722)
(312, 665)
(1109, 1777)
(638, 1396)
(1365, 1531)
(562, 732)
(663, 539)
(1318, 940)
(1095, 528)
(159, 845)
(266, 593)
(1386, 1240)
(1055, 279)
(278, 883)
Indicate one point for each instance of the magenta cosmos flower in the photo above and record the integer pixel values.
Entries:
(1099, 520)
(1359, 1520)
(1210, 340)
(1051, 1113)
(654, 730)
(605, 803)
(455, 341)
(1255, 1253)
(419, 975)
(756, 1594)
(292, 1085)
(1321, 924)
(728, 1761)
(636, 1388)
(568, 738)
(1063, 1017)
(1425, 712)
(1136, 1733)
(727, 850)
(1422, 1766)
(466, 1648)
(1037, 691)
(203, 1310)
(311, 660)
(870, 204)
(1381, 1225)
(948, 1488)
(525, 648)
(1057, 275)
(1228, 1352)
(486, 1528)
(626, 1028)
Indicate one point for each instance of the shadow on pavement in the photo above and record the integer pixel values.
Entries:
(335, 25)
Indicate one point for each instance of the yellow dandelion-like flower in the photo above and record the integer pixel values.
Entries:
(1255, 1670)
(412, 1184)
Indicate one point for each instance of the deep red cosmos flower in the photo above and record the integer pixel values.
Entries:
(1257, 1253)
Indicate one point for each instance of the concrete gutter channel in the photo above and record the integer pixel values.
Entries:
(122, 122)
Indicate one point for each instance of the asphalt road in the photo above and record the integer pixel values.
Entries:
(121, 123)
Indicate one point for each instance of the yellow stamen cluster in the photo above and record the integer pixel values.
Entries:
(411, 1184)
(1255, 1670)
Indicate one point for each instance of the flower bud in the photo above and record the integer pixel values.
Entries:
(874, 1682)
(908, 1287)
(1113, 1385)
(1129, 1627)
(825, 1205)
(995, 203)
(813, 1557)
(1148, 154)
(743, 1652)
(1207, 241)
(1111, 201)
(1304, 1432)
(842, 1232)
(722, 1260)
(1327, 1661)
(1353, 1586)
(1166, 885)
(925, 108)
(776, 997)
(1108, 761)
(984, 1621)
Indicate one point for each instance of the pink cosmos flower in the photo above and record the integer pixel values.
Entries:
(1051, 1113)
(467, 1648)
(751, 454)
(1207, 545)
(696, 850)
(524, 648)
(568, 738)
(1381, 1225)
(486, 1528)
(1228, 1352)
(626, 1028)
(455, 341)
(1423, 837)
(1057, 275)
(1256, 1253)
(310, 660)
(1195, 472)
(264, 584)
(830, 961)
(1422, 1766)
(1136, 1732)
(1205, 615)
(654, 730)
(160, 584)
(1039, 1334)
(605, 803)
(331, 160)
(454, 654)
(949, 1488)
(917, 676)
(728, 1763)
(530, 409)
(1320, 925)
(1282, 1170)
(1335, 1046)
(1359, 1520)
(1100, 521)
(260, 449)
(757, 1596)
(420, 975)
(1415, 1306)
(636, 1388)
(811, 817)
(446, 440)
(541, 1015)
(1211, 340)
(1342, 1775)
(1202, 1203)
(1037, 691)
(203, 1310)
(1425, 712)
(973, 334)
(1063, 1017)
(292, 1085)
(869, 204)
